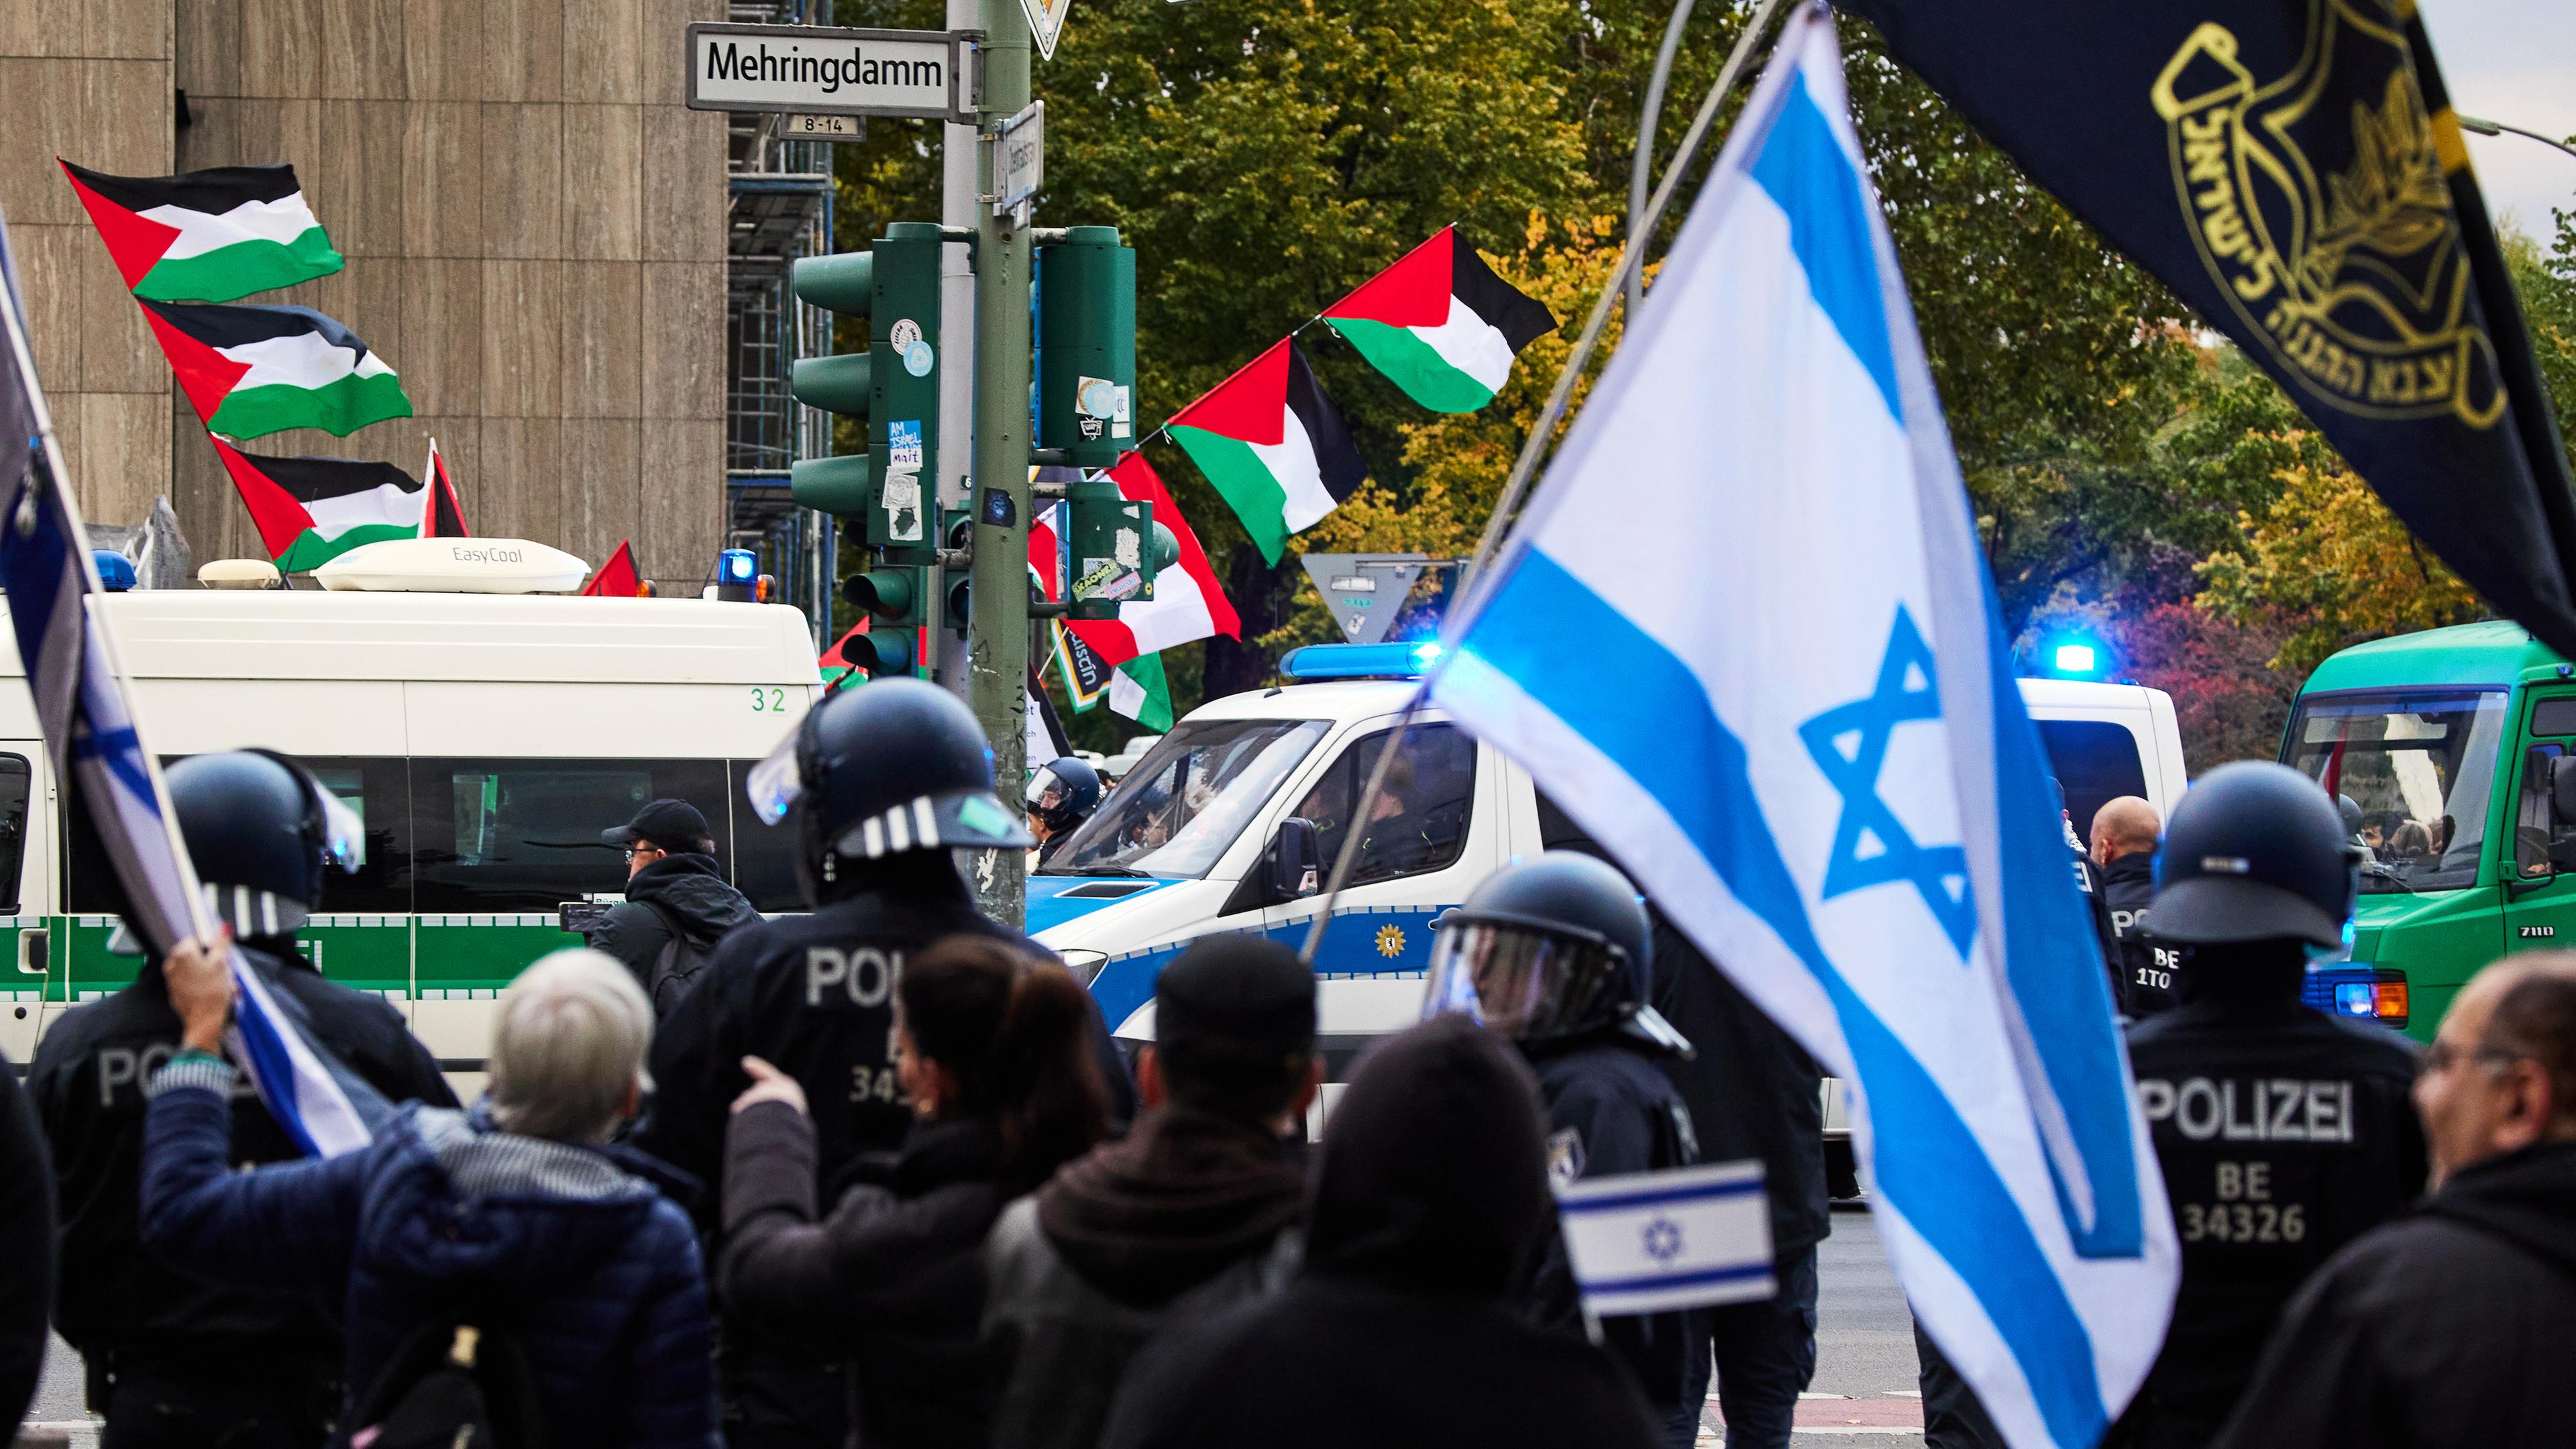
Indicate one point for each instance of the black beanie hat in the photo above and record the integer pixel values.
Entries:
(1235, 993)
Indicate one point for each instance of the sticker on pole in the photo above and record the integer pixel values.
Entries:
(1046, 22)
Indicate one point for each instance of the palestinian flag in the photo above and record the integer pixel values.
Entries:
(1187, 604)
(251, 371)
(446, 517)
(206, 236)
(311, 510)
(1139, 691)
(617, 578)
(1441, 325)
(1273, 445)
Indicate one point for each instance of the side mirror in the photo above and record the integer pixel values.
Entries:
(1295, 862)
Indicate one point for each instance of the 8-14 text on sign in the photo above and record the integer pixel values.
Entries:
(826, 70)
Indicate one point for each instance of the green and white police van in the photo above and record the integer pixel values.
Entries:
(2448, 746)
(484, 739)
(1228, 823)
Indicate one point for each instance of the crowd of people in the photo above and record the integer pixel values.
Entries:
(876, 1173)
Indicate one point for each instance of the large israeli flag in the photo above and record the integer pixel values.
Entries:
(88, 723)
(1745, 635)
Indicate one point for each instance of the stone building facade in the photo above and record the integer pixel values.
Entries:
(535, 230)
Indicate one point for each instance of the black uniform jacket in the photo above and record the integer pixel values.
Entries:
(1611, 1110)
(26, 1247)
(1752, 1092)
(115, 1298)
(814, 996)
(2453, 1325)
(2284, 1133)
(2143, 971)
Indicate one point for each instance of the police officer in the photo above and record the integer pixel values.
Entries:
(174, 1359)
(2284, 1132)
(1557, 953)
(881, 783)
(1061, 796)
(2125, 834)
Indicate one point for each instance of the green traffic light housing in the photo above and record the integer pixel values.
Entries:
(1086, 344)
(894, 595)
(892, 388)
(885, 651)
(1115, 550)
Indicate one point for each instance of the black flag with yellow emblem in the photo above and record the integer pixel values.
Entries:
(2293, 168)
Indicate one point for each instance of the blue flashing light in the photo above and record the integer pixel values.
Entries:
(2353, 998)
(2075, 656)
(115, 570)
(2072, 659)
(737, 566)
(1397, 659)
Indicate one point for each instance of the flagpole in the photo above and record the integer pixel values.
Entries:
(101, 629)
(1631, 256)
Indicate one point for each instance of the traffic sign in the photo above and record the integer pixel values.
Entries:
(1046, 22)
(1019, 162)
(822, 70)
(1364, 590)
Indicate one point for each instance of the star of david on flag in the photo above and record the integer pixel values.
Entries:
(1871, 846)
(1798, 730)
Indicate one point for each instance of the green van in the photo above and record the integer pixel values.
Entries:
(2444, 748)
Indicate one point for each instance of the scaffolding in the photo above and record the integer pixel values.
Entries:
(780, 210)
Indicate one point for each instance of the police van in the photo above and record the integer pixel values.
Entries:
(1228, 823)
(484, 739)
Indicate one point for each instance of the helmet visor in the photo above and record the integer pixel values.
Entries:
(344, 835)
(1040, 784)
(774, 784)
(1527, 984)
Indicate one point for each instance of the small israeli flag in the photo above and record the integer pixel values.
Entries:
(1745, 635)
(1652, 1242)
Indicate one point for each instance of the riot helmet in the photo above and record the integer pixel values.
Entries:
(890, 767)
(262, 831)
(2255, 852)
(1063, 793)
(1548, 949)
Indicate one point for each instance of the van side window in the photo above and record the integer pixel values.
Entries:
(2095, 760)
(764, 856)
(2534, 824)
(1419, 822)
(373, 787)
(14, 781)
(523, 835)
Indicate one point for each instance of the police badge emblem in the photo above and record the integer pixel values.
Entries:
(2329, 228)
(1564, 1157)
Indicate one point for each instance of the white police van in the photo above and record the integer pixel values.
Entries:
(1229, 822)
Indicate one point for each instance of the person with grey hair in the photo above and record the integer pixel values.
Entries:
(517, 1219)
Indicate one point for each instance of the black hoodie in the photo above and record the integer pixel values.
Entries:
(691, 889)
(2450, 1326)
(1426, 1206)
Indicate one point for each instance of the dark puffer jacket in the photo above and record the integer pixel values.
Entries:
(574, 1251)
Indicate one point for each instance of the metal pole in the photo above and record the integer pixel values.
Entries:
(2486, 127)
(1536, 443)
(1641, 168)
(955, 484)
(998, 639)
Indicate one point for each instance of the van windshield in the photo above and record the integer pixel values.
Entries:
(1188, 799)
(2412, 773)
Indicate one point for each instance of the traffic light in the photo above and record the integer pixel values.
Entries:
(894, 600)
(1086, 346)
(956, 533)
(1116, 549)
(893, 387)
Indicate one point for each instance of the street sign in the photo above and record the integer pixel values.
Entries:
(1046, 22)
(822, 128)
(1019, 162)
(1364, 590)
(821, 70)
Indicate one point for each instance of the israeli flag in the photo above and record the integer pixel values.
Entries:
(1745, 635)
(1652, 1242)
(88, 723)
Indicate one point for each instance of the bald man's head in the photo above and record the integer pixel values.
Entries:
(2125, 825)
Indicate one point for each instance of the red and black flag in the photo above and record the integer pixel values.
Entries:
(446, 517)
(2294, 169)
